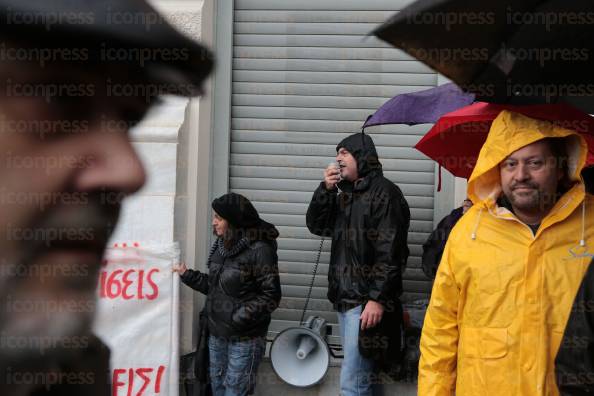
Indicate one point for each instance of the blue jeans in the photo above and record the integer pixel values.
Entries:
(234, 365)
(356, 373)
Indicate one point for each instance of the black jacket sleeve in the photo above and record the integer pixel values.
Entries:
(321, 213)
(434, 246)
(389, 225)
(574, 364)
(196, 280)
(268, 283)
(432, 252)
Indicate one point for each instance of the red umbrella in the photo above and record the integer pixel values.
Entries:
(456, 139)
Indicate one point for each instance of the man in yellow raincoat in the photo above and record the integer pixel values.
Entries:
(511, 267)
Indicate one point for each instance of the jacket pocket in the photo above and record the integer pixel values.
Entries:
(243, 320)
(222, 308)
(483, 342)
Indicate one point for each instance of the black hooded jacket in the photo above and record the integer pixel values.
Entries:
(242, 284)
(574, 364)
(368, 222)
(242, 290)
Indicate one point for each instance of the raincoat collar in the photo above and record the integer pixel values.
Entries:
(566, 204)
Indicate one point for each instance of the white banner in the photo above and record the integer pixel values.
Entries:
(138, 318)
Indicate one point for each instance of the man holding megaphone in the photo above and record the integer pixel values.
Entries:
(367, 218)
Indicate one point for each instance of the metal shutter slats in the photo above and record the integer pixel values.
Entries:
(375, 66)
(297, 40)
(322, 126)
(317, 150)
(325, 90)
(330, 5)
(266, 76)
(303, 28)
(308, 16)
(304, 53)
(305, 75)
(305, 101)
(389, 140)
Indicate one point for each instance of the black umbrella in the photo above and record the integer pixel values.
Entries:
(520, 51)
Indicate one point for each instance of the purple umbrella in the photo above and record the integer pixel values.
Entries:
(421, 107)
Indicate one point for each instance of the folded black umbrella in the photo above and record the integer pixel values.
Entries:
(127, 32)
(504, 51)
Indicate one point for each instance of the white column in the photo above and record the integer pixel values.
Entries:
(173, 147)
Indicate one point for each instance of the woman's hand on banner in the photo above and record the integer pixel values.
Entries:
(180, 268)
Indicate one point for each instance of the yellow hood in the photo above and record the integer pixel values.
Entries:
(510, 132)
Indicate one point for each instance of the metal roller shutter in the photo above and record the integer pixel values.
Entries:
(306, 75)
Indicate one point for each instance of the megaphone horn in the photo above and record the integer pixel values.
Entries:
(300, 355)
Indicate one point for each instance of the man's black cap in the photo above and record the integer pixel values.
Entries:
(127, 32)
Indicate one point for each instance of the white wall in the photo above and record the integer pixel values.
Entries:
(460, 184)
(168, 142)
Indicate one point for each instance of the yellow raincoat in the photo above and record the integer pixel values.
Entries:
(502, 296)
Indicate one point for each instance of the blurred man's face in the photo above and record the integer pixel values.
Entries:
(529, 178)
(348, 165)
(65, 165)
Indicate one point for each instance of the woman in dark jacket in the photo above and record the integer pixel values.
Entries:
(242, 289)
